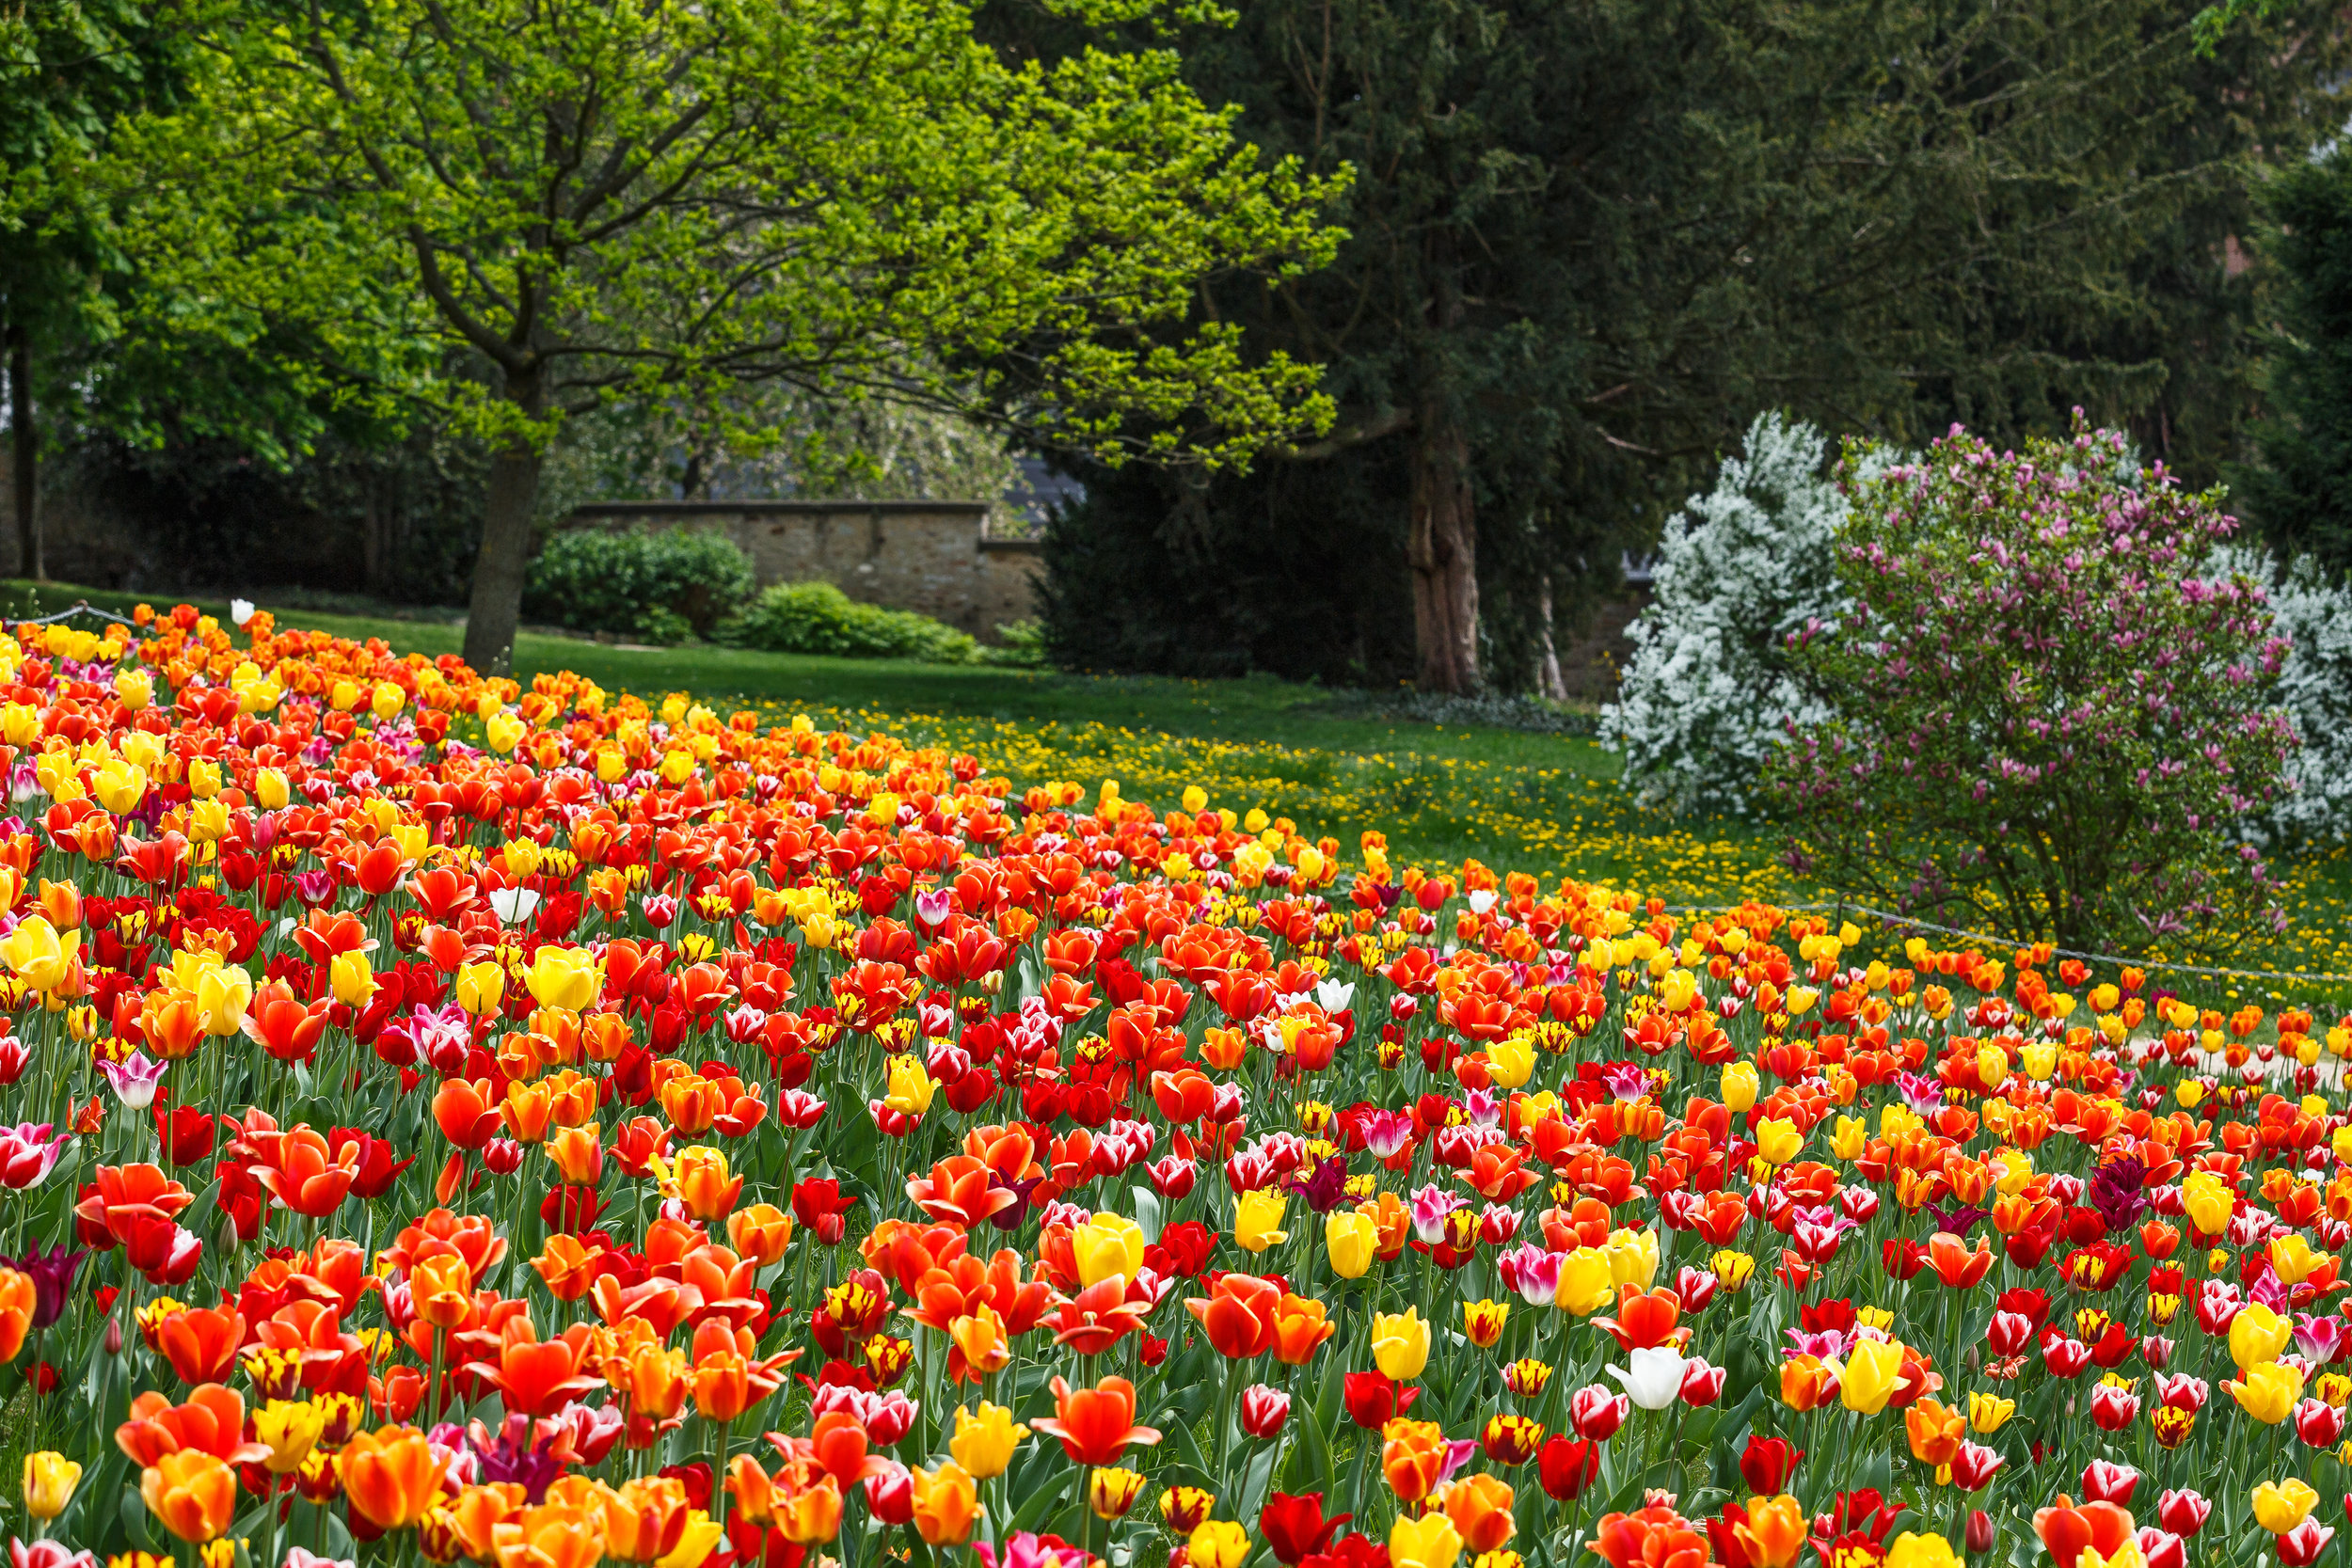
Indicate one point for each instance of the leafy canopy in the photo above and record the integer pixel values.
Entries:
(515, 209)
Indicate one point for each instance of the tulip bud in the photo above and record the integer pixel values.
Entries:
(1979, 1536)
(1264, 1410)
(114, 1336)
(503, 1156)
(890, 1496)
(2183, 1514)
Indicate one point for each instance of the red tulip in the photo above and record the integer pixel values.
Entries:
(1566, 1467)
(1375, 1399)
(1295, 1527)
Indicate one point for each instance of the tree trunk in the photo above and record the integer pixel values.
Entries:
(25, 456)
(1442, 551)
(1548, 674)
(498, 571)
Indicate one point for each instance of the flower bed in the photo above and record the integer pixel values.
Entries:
(528, 1127)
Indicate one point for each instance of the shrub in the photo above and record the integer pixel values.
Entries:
(2314, 617)
(657, 587)
(818, 618)
(1708, 693)
(2044, 710)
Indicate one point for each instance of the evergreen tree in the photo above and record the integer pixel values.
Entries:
(2301, 494)
(1590, 239)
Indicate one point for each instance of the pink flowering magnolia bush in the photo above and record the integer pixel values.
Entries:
(2047, 709)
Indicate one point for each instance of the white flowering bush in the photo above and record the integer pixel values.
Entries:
(2315, 688)
(1708, 694)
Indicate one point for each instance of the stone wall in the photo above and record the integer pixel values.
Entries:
(935, 556)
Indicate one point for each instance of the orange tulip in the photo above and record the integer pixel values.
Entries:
(527, 1110)
(1935, 1431)
(441, 1290)
(553, 1535)
(700, 1180)
(1412, 1456)
(465, 1110)
(1096, 1424)
(390, 1476)
(16, 1311)
(1240, 1314)
(946, 1504)
(467, 1525)
(568, 1265)
(578, 1155)
(1480, 1507)
(200, 1342)
(190, 1494)
(1774, 1534)
(1300, 1326)
(536, 1377)
(760, 1233)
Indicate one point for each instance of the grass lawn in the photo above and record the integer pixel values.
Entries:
(1335, 763)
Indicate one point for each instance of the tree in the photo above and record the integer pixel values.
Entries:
(1588, 240)
(573, 200)
(2044, 712)
(68, 70)
(2302, 492)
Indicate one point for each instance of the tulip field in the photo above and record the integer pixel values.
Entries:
(446, 1121)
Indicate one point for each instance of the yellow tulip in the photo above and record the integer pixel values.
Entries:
(1258, 1220)
(203, 777)
(269, 787)
(38, 954)
(983, 1444)
(481, 987)
(1217, 1543)
(289, 1429)
(1872, 1368)
(1107, 1245)
(1739, 1085)
(1849, 1138)
(50, 1479)
(1352, 1241)
(503, 731)
(387, 701)
(910, 1094)
(1585, 1285)
(118, 786)
(223, 993)
(2269, 1392)
(2258, 1334)
(1400, 1344)
(1989, 1413)
(1632, 1257)
(1428, 1542)
(2292, 1259)
(2209, 1201)
(564, 977)
(1511, 1062)
(353, 978)
(1913, 1550)
(1733, 1270)
(1777, 1140)
(2282, 1505)
(134, 689)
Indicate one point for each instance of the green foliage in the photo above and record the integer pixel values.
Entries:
(740, 192)
(1592, 239)
(2048, 708)
(2301, 495)
(818, 618)
(656, 587)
